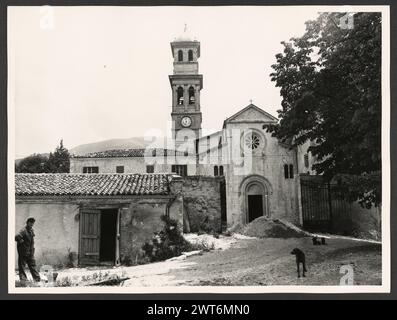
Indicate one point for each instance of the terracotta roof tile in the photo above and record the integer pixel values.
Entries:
(63, 184)
(126, 153)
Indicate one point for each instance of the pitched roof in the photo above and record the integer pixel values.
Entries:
(251, 106)
(125, 153)
(64, 184)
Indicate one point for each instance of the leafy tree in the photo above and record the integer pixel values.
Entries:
(35, 163)
(330, 83)
(59, 161)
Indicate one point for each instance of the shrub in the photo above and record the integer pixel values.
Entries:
(167, 243)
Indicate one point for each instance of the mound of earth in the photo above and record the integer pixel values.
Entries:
(264, 227)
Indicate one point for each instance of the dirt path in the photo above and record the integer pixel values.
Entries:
(254, 262)
(269, 262)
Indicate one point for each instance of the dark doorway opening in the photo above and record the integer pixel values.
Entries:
(107, 252)
(255, 207)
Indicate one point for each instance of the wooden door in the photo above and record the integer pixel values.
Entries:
(90, 232)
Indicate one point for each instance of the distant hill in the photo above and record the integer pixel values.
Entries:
(18, 160)
(113, 144)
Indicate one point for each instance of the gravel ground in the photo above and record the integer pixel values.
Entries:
(269, 262)
(245, 261)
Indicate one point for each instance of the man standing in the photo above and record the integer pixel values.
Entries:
(25, 248)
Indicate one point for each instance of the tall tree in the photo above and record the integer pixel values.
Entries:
(35, 163)
(59, 161)
(330, 83)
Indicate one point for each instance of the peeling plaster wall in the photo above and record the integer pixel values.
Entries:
(138, 223)
(56, 229)
(202, 203)
(57, 224)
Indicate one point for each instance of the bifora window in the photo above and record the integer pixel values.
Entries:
(218, 171)
(180, 170)
(90, 169)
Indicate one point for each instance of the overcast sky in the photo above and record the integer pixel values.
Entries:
(102, 72)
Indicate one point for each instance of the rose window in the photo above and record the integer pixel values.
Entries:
(252, 141)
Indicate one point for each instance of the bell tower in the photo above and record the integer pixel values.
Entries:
(186, 84)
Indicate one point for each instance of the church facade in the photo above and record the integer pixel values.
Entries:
(111, 202)
(260, 174)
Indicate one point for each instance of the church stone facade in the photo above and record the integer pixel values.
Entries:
(111, 202)
(260, 174)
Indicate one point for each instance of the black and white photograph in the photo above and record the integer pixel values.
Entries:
(211, 149)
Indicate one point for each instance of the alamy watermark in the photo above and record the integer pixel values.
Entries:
(347, 278)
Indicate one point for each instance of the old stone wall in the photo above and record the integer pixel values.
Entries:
(367, 223)
(202, 203)
(138, 223)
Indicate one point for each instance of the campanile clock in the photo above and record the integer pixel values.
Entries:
(186, 122)
(186, 84)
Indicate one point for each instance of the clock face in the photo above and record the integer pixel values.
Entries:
(186, 122)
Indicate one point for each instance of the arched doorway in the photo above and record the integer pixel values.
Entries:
(255, 190)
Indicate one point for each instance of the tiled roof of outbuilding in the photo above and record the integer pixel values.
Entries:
(116, 153)
(64, 184)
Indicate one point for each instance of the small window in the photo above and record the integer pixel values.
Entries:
(221, 170)
(180, 95)
(180, 170)
(180, 55)
(150, 169)
(120, 169)
(286, 173)
(306, 160)
(216, 171)
(90, 169)
(190, 55)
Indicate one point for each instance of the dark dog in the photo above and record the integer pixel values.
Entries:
(300, 258)
(316, 241)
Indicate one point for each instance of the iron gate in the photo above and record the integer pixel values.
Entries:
(324, 207)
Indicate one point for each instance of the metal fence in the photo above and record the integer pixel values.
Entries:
(324, 207)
